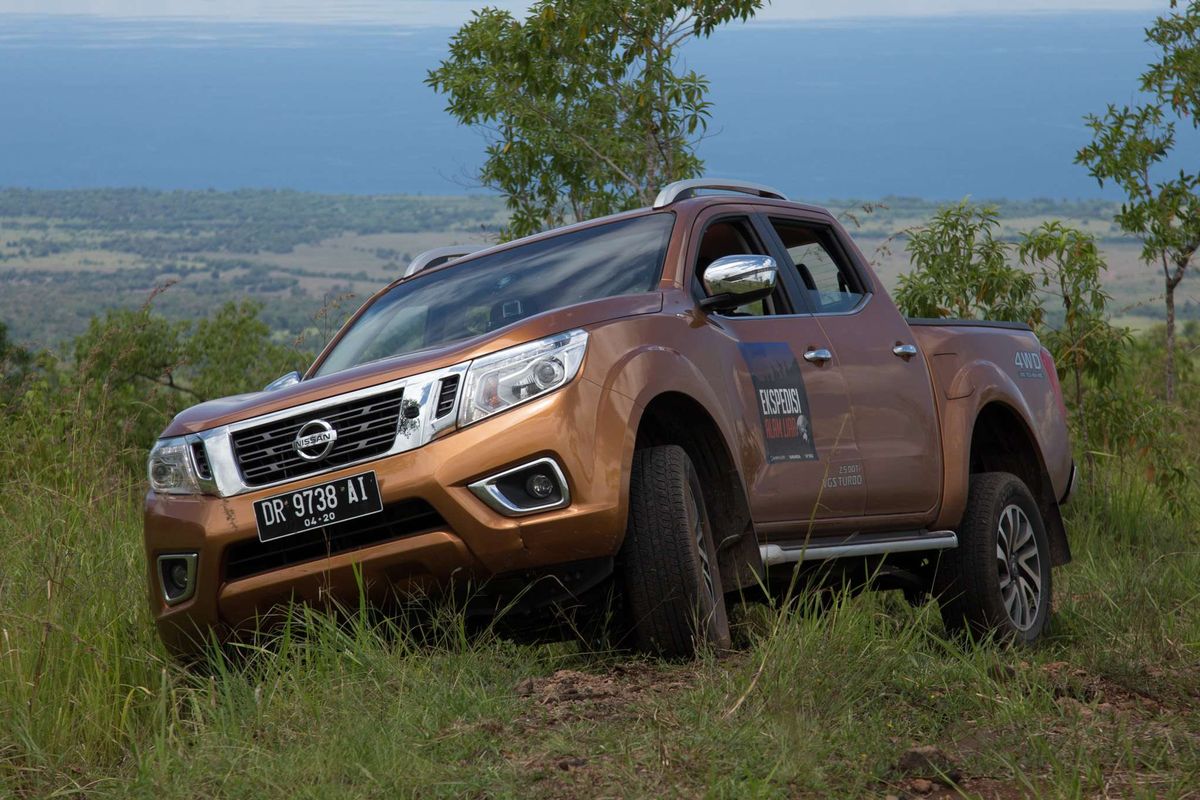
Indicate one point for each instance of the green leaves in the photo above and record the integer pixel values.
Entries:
(1132, 147)
(232, 352)
(1086, 347)
(960, 269)
(586, 110)
(146, 368)
(1175, 77)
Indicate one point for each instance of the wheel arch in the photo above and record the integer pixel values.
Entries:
(675, 417)
(1001, 440)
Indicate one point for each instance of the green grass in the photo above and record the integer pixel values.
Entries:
(815, 704)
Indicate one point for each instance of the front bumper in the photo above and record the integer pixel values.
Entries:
(583, 427)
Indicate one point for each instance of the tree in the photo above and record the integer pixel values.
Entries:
(231, 352)
(125, 373)
(960, 269)
(588, 110)
(1069, 266)
(1132, 146)
(146, 368)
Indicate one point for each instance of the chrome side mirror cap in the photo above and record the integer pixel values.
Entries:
(291, 379)
(733, 281)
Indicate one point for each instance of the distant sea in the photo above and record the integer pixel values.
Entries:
(988, 106)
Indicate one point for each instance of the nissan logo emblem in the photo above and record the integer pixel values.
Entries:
(314, 440)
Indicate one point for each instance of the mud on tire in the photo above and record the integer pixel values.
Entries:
(673, 593)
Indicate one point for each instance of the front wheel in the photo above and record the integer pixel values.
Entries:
(669, 561)
(997, 582)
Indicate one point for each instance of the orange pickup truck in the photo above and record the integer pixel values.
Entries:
(654, 412)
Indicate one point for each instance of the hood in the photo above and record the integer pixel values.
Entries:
(215, 413)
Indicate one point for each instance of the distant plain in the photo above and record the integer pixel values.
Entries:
(68, 255)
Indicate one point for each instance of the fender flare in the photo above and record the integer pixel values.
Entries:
(975, 387)
(650, 372)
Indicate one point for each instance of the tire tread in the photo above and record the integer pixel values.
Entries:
(659, 557)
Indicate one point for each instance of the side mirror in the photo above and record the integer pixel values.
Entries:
(733, 281)
(290, 379)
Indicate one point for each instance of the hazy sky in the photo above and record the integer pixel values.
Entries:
(449, 12)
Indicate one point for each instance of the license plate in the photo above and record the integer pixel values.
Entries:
(317, 506)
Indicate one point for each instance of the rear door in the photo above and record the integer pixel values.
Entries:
(792, 390)
(887, 378)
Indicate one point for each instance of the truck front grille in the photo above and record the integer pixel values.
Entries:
(406, 518)
(365, 428)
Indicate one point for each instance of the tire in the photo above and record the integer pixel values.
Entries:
(673, 591)
(997, 582)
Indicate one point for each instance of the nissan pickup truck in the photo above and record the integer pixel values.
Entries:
(655, 412)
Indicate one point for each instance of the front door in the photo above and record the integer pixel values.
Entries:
(793, 392)
(888, 383)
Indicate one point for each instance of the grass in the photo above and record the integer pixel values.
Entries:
(815, 704)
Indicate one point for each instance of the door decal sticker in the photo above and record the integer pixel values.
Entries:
(781, 400)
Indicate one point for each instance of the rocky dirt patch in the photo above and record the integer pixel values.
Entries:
(570, 695)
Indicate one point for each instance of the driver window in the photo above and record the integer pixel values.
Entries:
(830, 285)
(732, 237)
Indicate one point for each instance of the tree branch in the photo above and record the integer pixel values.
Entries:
(170, 384)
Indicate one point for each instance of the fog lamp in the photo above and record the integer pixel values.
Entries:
(177, 572)
(539, 486)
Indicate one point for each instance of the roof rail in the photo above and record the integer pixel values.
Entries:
(438, 256)
(682, 190)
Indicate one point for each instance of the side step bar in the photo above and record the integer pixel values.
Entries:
(857, 546)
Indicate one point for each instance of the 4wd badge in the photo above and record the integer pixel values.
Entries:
(781, 400)
(1029, 364)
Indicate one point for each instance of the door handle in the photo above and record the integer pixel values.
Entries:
(904, 350)
(818, 356)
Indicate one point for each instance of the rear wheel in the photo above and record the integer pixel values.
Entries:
(998, 582)
(673, 590)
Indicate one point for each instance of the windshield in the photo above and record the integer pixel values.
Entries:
(494, 291)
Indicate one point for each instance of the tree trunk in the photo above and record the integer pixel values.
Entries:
(1170, 360)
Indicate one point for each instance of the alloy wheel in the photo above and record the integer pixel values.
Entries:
(1020, 567)
(697, 523)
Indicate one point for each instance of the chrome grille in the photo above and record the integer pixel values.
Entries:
(365, 428)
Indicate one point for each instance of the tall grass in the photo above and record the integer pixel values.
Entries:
(817, 703)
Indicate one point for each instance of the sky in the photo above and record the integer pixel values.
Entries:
(453, 12)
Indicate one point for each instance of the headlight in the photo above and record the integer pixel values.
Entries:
(170, 468)
(502, 380)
